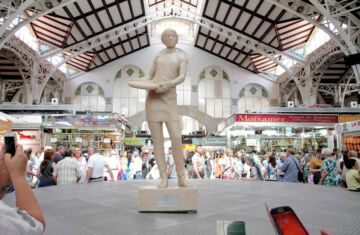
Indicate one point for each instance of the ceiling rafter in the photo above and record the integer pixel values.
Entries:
(95, 11)
(112, 24)
(216, 40)
(278, 18)
(244, 9)
(101, 25)
(80, 29)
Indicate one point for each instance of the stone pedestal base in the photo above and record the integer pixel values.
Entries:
(172, 199)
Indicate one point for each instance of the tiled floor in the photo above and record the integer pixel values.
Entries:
(110, 208)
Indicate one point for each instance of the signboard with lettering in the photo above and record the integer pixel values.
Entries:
(283, 118)
(213, 141)
(350, 126)
(195, 141)
(134, 141)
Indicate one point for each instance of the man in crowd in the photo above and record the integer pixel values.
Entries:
(60, 153)
(96, 165)
(198, 162)
(290, 167)
(137, 167)
(337, 153)
(255, 173)
(279, 163)
(171, 165)
(315, 165)
(68, 170)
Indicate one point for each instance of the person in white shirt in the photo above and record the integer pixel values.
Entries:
(114, 164)
(27, 218)
(96, 165)
(137, 167)
(82, 162)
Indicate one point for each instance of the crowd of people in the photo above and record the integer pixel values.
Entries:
(327, 167)
(70, 166)
(66, 166)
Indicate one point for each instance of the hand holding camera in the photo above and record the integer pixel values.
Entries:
(16, 165)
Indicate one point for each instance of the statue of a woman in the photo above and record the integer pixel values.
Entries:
(169, 69)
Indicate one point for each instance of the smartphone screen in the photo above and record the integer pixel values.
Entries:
(288, 222)
(10, 144)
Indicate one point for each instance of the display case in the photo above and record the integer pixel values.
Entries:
(102, 139)
(106, 132)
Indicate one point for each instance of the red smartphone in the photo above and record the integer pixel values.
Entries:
(286, 222)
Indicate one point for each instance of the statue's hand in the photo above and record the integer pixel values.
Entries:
(164, 87)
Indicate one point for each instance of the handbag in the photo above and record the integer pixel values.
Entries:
(300, 174)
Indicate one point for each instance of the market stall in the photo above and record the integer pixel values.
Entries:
(106, 132)
(28, 130)
(349, 137)
(270, 132)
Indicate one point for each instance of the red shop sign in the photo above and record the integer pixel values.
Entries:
(287, 118)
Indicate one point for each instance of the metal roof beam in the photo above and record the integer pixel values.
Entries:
(335, 14)
(19, 18)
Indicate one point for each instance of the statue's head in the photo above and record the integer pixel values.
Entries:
(170, 38)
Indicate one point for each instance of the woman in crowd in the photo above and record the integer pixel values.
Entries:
(29, 168)
(238, 166)
(208, 164)
(219, 165)
(328, 169)
(271, 170)
(46, 169)
(82, 162)
(124, 166)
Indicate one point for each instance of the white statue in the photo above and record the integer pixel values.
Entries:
(169, 69)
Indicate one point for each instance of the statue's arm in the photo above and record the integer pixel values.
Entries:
(182, 74)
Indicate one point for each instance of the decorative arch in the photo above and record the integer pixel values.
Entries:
(253, 96)
(89, 96)
(204, 119)
(127, 100)
(214, 92)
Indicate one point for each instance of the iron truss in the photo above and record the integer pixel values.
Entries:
(339, 22)
(310, 74)
(32, 71)
(341, 89)
(20, 13)
(11, 85)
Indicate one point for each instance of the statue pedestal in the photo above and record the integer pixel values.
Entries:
(171, 199)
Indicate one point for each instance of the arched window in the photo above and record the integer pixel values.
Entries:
(252, 96)
(183, 92)
(127, 100)
(90, 96)
(214, 92)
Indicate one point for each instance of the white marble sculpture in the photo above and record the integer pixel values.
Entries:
(169, 69)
